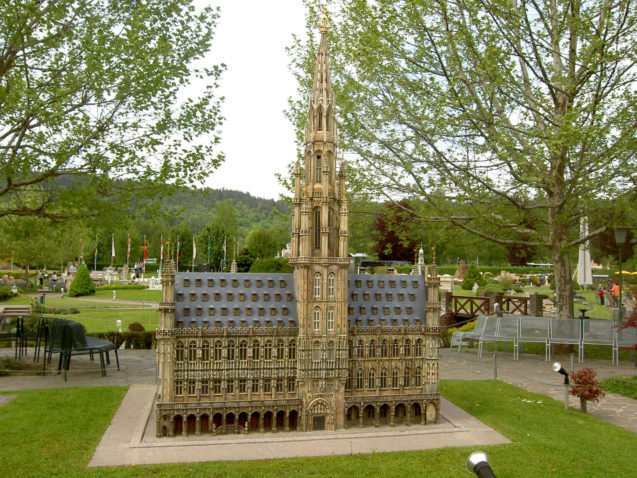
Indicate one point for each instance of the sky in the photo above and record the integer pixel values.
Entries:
(256, 137)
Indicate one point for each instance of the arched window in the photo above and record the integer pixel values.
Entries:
(371, 379)
(359, 378)
(359, 349)
(267, 350)
(417, 377)
(418, 348)
(317, 229)
(331, 280)
(348, 382)
(383, 378)
(394, 378)
(317, 285)
(383, 349)
(243, 350)
(316, 351)
(330, 319)
(205, 351)
(179, 351)
(255, 350)
(331, 351)
(218, 350)
(350, 349)
(317, 169)
(317, 319)
(407, 348)
(372, 349)
(231, 350)
(192, 351)
(292, 350)
(395, 349)
(280, 350)
(406, 378)
(320, 119)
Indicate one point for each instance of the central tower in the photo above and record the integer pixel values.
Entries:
(320, 258)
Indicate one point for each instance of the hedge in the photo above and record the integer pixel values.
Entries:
(121, 287)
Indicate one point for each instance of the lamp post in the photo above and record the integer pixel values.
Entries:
(620, 240)
(557, 368)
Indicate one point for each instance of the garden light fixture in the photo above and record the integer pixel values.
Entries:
(557, 368)
(478, 463)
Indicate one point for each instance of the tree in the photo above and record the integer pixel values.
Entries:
(89, 111)
(82, 283)
(509, 118)
(392, 233)
(265, 243)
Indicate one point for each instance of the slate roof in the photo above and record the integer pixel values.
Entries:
(389, 297)
(218, 298)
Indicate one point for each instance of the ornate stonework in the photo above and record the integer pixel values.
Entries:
(319, 349)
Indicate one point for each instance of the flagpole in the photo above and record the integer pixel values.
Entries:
(127, 250)
(177, 265)
(112, 248)
(161, 252)
(95, 256)
(194, 253)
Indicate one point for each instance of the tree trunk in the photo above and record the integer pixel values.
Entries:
(582, 405)
(561, 263)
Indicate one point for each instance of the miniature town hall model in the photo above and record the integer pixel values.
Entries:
(318, 349)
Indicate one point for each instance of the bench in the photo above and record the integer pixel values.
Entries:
(67, 338)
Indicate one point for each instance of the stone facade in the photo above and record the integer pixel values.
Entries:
(318, 349)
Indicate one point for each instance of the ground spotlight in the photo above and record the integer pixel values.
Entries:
(557, 368)
(478, 463)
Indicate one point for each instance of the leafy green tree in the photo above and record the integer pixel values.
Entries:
(511, 119)
(265, 243)
(82, 283)
(275, 264)
(91, 114)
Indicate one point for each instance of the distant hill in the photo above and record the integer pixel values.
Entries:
(197, 208)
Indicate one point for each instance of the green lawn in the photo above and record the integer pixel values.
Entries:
(145, 295)
(54, 432)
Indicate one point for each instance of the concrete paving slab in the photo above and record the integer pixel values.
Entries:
(129, 440)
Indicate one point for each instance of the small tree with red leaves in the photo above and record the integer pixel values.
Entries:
(586, 387)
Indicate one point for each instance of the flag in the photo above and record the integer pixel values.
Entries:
(161, 248)
(128, 248)
(112, 245)
(145, 249)
(208, 249)
(224, 245)
(82, 246)
(177, 250)
(95, 254)
(194, 248)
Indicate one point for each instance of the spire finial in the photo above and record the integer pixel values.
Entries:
(433, 260)
(324, 22)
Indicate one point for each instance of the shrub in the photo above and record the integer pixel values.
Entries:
(507, 283)
(82, 283)
(136, 327)
(5, 292)
(446, 339)
(492, 288)
(472, 277)
(121, 287)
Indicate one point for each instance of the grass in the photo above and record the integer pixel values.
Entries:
(54, 432)
(626, 386)
(145, 295)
